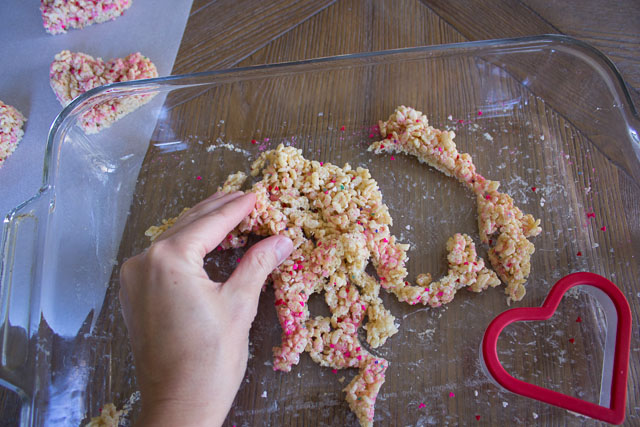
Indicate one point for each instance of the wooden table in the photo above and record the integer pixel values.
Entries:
(230, 33)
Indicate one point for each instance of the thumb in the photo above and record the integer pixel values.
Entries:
(254, 267)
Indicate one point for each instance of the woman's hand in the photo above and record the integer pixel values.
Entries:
(190, 334)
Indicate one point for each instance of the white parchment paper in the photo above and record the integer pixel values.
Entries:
(152, 27)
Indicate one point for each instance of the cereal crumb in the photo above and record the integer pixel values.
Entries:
(58, 16)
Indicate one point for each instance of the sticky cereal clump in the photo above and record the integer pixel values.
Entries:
(72, 74)
(501, 224)
(60, 15)
(109, 417)
(11, 123)
(338, 224)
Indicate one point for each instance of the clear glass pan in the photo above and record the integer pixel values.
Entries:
(547, 112)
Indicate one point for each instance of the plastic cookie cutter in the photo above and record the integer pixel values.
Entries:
(611, 407)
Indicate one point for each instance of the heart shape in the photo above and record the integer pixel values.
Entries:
(58, 16)
(72, 74)
(615, 412)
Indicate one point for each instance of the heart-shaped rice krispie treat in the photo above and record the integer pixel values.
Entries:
(11, 122)
(60, 15)
(72, 74)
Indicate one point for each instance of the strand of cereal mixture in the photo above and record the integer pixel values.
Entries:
(11, 123)
(72, 74)
(60, 15)
(337, 221)
(408, 131)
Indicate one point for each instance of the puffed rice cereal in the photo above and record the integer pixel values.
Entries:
(72, 74)
(60, 15)
(11, 123)
(408, 131)
(338, 223)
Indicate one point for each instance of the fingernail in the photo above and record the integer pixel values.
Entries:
(284, 247)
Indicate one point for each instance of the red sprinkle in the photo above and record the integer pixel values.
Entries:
(571, 340)
(381, 146)
(253, 141)
(393, 158)
(579, 253)
(579, 319)
(198, 177)
(342, 128)
(478, 417)
(603, 228)
(422, 405)
(280, 302)
(488, 197)
(479, 113)
(591, 215)
(534, 189)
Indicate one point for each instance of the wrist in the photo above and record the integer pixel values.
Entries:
(175, 412)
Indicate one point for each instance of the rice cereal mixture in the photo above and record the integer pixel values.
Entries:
(501, 224)
(109, 417)
(60, 15)
(72, 74)
(338, 223)
(11, 123)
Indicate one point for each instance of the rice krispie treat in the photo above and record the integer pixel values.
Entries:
(338, 223)
(11, 123)
(72, 74)
(408, 131)
(60, 15)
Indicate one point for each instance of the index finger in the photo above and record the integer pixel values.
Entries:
(203, 234)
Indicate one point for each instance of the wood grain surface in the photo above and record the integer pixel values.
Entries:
(226, 33)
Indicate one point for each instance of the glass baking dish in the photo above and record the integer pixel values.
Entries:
(547, 116)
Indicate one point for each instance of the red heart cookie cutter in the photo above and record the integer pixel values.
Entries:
(615, 366)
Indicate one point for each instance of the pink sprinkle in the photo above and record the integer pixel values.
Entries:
(385, 240)
(198, 177)
(370, 135)
(603, 228)
(452, 394)
(591, 215)
(422, 405)
(440, 293)
(488, 197)
(302, 303)
(332, 345)
(479, 113)
(364, 307)
(393, 158)
(347, 354)
(335, 371)
(321, 163)
(342, 128)
(460, 121)
(359, 357)
(266, 140)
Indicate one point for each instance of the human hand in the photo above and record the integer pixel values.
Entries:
(189, 334)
